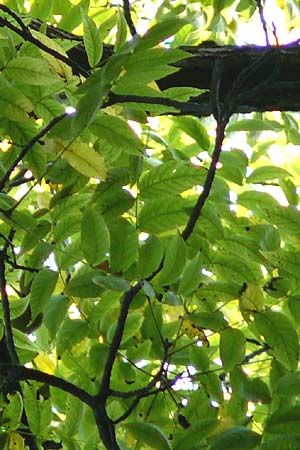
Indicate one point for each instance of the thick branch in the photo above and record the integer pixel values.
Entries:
(19, 373)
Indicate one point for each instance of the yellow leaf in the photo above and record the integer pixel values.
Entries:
(57, 66)
(191, 330)
(86, 160)
(16, 442)
(44, 363)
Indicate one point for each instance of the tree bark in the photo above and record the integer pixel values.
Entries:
(249, 78)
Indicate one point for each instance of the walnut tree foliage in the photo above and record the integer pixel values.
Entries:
(149, 259)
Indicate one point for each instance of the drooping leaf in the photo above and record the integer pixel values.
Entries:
(124, 246)
(150, 256)
(95, 239)
(42, 287)
(191, 275)
(232, 348)
(174, 261)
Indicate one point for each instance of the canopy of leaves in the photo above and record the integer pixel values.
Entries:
(149, 261)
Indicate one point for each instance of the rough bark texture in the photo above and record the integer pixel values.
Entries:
(259, 78)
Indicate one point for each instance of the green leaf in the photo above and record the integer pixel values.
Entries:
(149, 434)
(193, 127)
(112, 282)
(174, 261)
(210, 320)
(121, 31)
(232, 348)
(234, 165)
(14, 104)
(288, 385)
(150, 256)
(192, 437)
(280, 335)
(133, 325)
(92, 40)
(236, 438)
(86, 160)
(199, 358)
(157, 217)
(11, 416)
(31, 404)
(71, 333)
(95, 238)
(284, 420)
(29, 70)
(159, 32)
(117, 133)
(123, 247)
(282, 442)
(191, 275)
(42, 287)
(267, 173)
(23, 342)
(83, 286)
(170, 178)
(254, 125)
(142, 63)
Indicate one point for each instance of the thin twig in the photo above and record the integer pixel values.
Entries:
(128, 18)
(263, 20)
(25, 33)
(28, 146)
(220, 134)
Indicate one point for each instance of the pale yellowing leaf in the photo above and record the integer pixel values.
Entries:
(16, 442)
(86, 160)
(57, 66)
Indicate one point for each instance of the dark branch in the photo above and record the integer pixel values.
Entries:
(28, 146)
(263, 20)
(25, 33)
(128, 17)
(19, 373)
(220, 134)
(8, 333)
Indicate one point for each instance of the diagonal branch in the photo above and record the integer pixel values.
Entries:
(127, 14)
(28, 146)
(25, 33)
(220, 134)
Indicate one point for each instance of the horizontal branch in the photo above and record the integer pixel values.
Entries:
(19, 373)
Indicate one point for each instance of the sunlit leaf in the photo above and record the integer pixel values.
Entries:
(86, 160)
